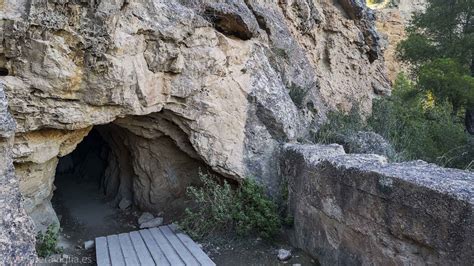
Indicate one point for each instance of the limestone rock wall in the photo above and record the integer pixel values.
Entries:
(223, 82)
(17, 238)
(35, 156)
(360, 210)
(151, 163)
(238, 77)
(393, 17)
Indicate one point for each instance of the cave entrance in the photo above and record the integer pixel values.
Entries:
(79, 200)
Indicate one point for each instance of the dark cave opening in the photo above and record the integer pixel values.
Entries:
(87, 163)
(79, 200)
(3, 71)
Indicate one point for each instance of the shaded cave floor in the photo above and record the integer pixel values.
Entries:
(85, 214)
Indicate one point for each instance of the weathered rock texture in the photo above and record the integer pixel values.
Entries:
(393, 17)
(35, 157)
(16, 228)
(187, 84)
(361, 210)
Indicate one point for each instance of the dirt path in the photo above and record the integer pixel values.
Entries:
(84, 215)
(230, 251)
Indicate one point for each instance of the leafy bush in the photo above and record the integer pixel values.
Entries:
(339, 125)
(421, 128)
(47, 243)
(254, 211)
(219, 208)
(415, 124)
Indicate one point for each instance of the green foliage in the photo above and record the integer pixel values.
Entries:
(219, 208)
(440, 47)
(47, 243)
(415, 49)
(339, 125)
(445, 29)
(416, 126)
(448, 80)
(421, 129)
(255, 212)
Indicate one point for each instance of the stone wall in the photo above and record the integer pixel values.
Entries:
(360, 210)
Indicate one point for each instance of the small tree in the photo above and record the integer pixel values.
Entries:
(448, 80)
(440, 47)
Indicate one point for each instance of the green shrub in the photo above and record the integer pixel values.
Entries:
(219, 208)
(415, 124)
(340, 124)
(254, 211)
(47, 243)
(297, 95)
(420, 128)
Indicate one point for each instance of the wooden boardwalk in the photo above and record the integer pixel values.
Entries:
(162, 245)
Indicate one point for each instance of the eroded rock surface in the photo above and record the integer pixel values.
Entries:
(17, 238)
(226, 81)
(186, 83)
(393, 17)
(360, 210)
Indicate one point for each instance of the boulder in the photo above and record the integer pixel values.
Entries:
(358, 209)
(89, 244)
(155, 222)
(124, 204)
(145, 217)
(284, 255)
(366, 142)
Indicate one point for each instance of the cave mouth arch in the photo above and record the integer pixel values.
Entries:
(130, 160)
(83, 208)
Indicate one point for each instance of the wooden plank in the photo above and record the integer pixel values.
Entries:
(156, 246)
(197, 252)
(154, 249)
(128, 250)
(183, 252)
(142, 251)
(168, 250)
(102, 251)
(116, 256)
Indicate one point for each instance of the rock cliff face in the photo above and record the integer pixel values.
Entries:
(393, 17)
(177, 85)
(182, 84)
(215, 83)
(16, 228)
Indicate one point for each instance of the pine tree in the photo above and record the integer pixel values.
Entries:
(440, 47)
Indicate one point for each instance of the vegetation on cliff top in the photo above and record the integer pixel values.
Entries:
(416, 126)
